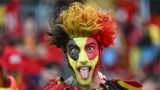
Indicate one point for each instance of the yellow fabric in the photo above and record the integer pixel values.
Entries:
(103, 4)
(58, 80)
(128, 86)
(2, 15)
(154, 32)
(134, 60)
(5, 89)
(18, 78)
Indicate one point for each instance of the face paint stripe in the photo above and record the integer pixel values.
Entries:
(73, 50)
(94, 46)
(82, 55)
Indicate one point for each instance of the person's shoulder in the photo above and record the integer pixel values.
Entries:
(122, 85)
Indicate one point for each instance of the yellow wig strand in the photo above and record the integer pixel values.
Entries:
(79, 20)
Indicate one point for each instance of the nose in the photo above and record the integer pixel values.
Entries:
(83, 62)
(83, 57)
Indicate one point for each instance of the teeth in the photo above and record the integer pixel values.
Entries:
(84, 68)
(84, 72)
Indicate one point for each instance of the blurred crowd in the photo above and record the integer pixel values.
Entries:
(26, 55)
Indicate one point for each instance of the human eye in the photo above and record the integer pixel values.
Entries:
(90, 48)
(74, 50)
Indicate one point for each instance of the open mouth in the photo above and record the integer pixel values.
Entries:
(84, 72)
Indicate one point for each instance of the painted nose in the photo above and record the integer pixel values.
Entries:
(83, 62)
(83, 58)
(83, 55)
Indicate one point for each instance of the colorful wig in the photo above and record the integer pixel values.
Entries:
(82, 21)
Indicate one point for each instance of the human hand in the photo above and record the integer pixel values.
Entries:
(58, 85)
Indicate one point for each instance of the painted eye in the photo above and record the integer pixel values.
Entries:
(74, 50)
(90, 48)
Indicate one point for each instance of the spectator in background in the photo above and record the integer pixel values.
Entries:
(50, 70)
(30, 47)
(33, 53)
(12, 64)
(36, 54)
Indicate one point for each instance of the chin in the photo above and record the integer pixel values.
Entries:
(85, 82)
(84, 75)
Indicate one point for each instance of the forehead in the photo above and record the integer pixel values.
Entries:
(82, 41)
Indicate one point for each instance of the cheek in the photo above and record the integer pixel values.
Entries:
(92, 55)
(71, 62)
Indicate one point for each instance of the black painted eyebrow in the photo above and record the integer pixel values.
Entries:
(72, 43)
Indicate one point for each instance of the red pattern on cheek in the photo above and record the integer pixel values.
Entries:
(94, 53)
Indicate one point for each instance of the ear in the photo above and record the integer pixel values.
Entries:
(101, 49)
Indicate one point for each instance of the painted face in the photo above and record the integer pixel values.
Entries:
(83, 56)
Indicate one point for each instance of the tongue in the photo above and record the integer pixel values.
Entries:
(84, 72)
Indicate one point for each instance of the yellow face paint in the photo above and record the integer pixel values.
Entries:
(83, 55)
